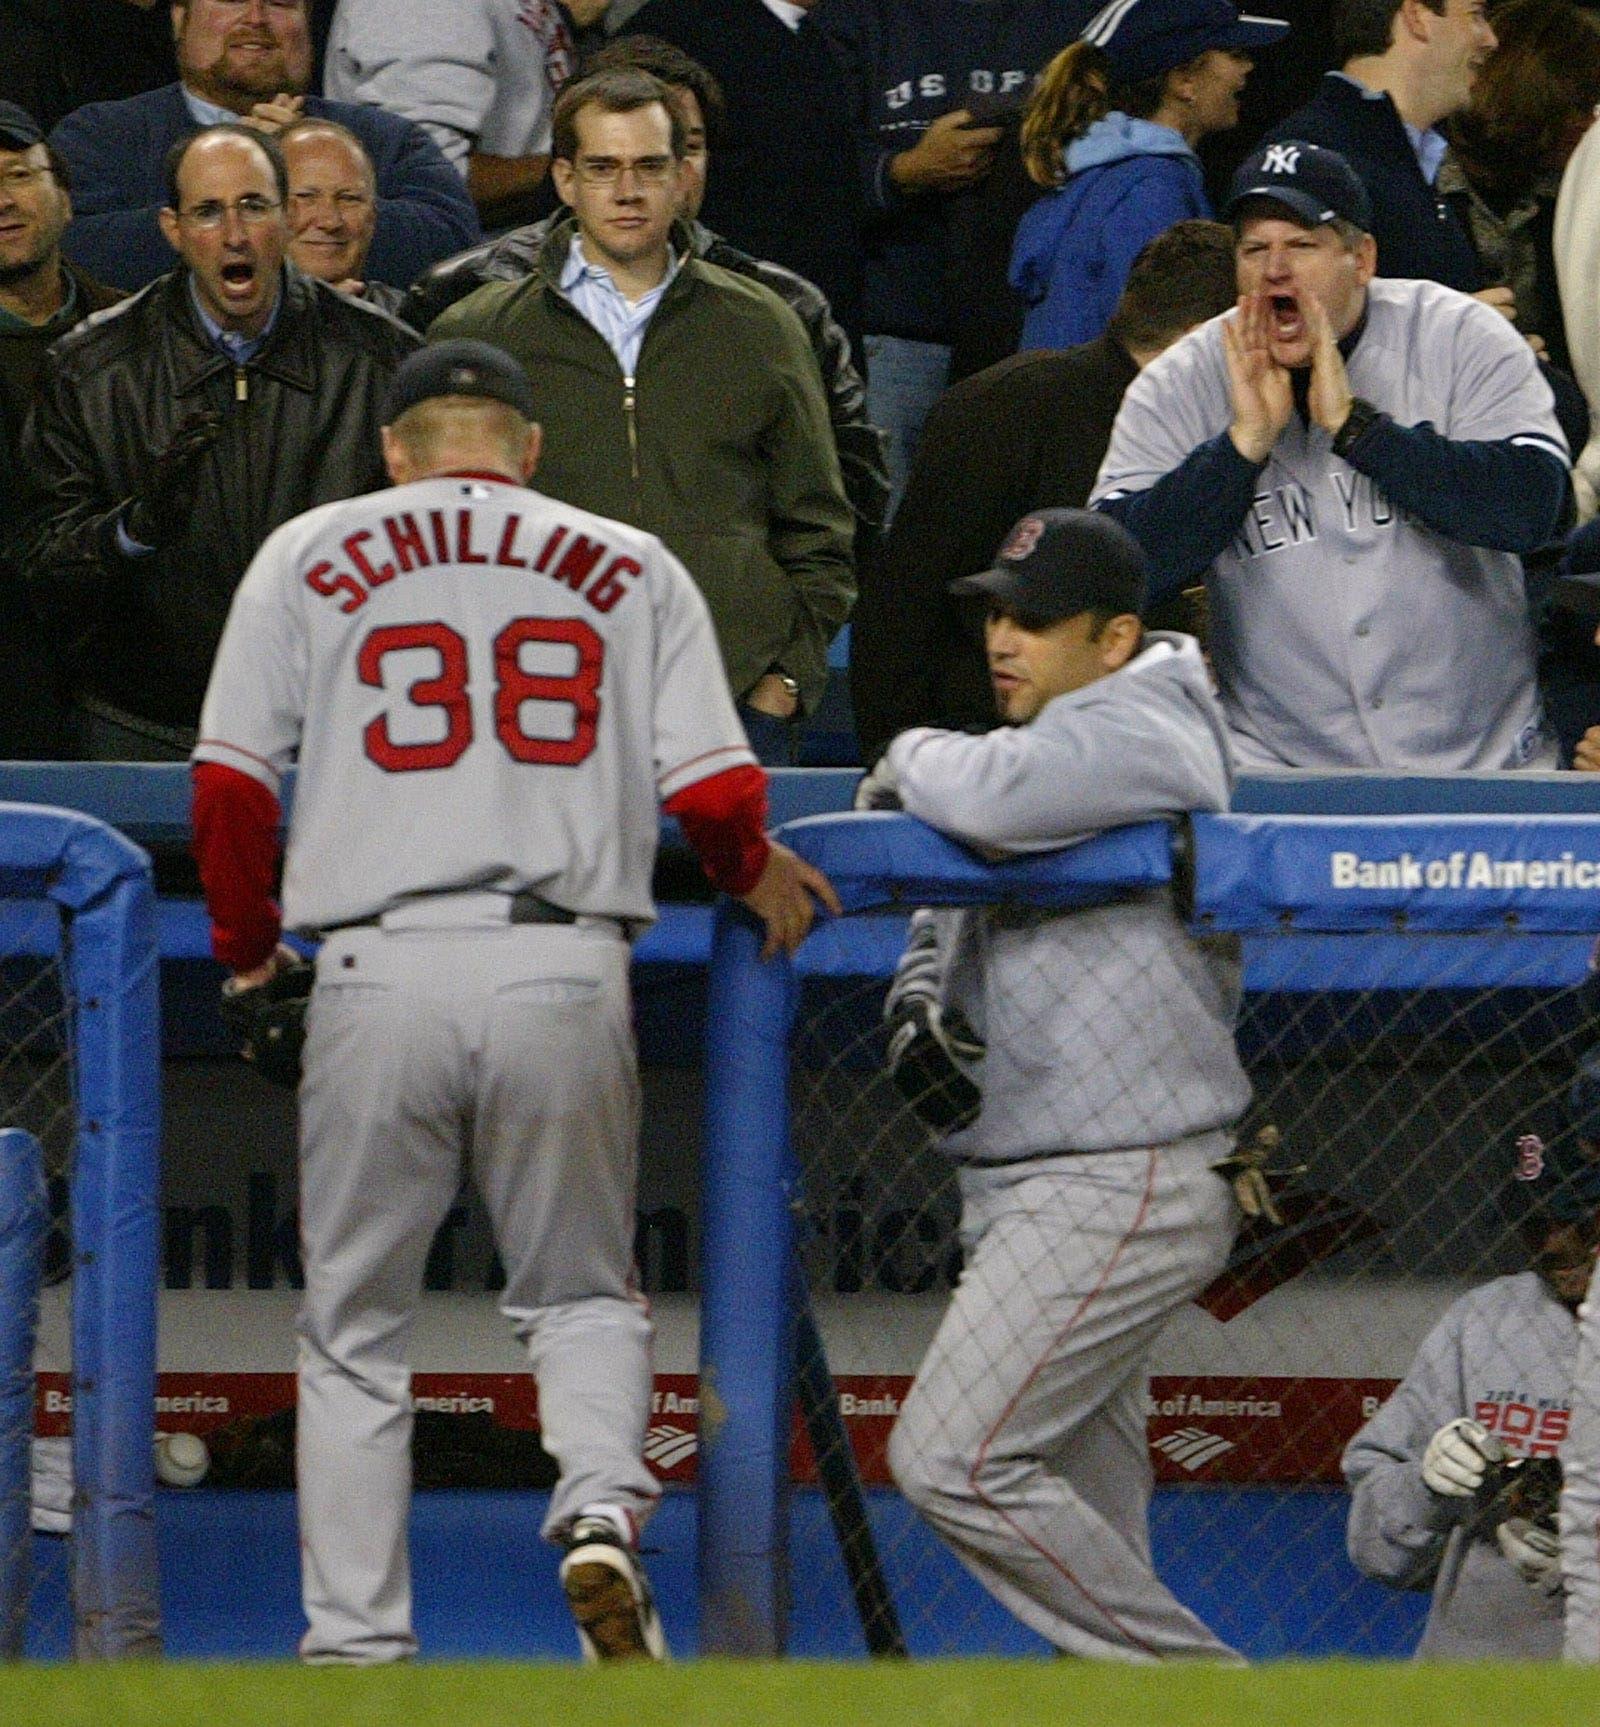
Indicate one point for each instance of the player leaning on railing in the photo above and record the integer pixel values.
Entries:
(1110, 1086)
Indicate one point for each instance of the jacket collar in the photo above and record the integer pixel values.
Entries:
(1371, 112)
(96, 295)
(291, 353)
(689, 240)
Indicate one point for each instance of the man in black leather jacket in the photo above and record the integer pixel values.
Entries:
(512, 256)
(174, 432)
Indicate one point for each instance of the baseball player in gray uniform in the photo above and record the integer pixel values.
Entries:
(1110, 1088)
(1353, 464)
(1580, 1456)
(490, 694)
(1491, 1383)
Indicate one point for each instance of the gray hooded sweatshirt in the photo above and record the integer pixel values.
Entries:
(1108, 1027)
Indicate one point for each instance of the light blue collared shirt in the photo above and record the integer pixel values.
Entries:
(234, 344)
(1427, 145)
(208, 113)
(623, 323)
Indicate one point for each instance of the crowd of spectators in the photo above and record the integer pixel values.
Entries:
(262, 205)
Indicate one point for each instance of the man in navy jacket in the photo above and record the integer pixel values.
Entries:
(247, 60)
(1407, 65)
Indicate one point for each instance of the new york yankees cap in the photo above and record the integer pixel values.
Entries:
(1144, 38)
(459, 368)
(1055, 564)
(18, 128)
(1314, 184)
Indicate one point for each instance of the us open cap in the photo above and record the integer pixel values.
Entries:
(1314, 184)
(1055, 564)
(459, 368)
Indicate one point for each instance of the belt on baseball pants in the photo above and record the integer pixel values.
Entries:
(445, 911)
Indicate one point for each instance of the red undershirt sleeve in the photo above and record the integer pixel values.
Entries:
(235, 820)
(724, 818)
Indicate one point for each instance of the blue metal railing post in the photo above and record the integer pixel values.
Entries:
(746, 1324)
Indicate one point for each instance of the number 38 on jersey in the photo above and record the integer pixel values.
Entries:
(545, 674)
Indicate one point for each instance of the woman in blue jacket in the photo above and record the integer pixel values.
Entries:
(1110, 131)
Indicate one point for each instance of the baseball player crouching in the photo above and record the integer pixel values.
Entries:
(491, 694)
(1109, 1089)
(1453, 1483)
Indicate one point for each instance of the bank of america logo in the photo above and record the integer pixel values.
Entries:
(668, 1446)
(1193, 1447)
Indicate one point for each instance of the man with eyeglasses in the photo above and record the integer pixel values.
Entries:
(172, 434)
(333, 208)
(680, 398)
(251, 61)
(512, 256)
(41, 297)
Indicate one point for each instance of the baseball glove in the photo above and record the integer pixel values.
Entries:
(931, 1049)
(928, 1051)
(1521, 1487)
(269, 1020)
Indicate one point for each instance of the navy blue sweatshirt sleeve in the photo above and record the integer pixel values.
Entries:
(1186, 519)
(1507, 494)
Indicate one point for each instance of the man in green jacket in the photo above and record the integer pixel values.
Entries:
(680, 398)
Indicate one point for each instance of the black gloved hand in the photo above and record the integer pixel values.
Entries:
(159, 511)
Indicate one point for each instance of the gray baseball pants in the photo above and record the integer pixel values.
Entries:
(1023, 1437)
(510, 1049)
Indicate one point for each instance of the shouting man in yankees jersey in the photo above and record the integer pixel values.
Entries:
(490, 694)
(1353, 464)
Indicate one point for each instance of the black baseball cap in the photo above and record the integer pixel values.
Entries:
(1560, 1181)
(1055, 564)
(1145, 38)
(1314, 184)
(18, 128)
(459, 368)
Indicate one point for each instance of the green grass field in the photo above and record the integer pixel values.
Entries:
(727, 1694)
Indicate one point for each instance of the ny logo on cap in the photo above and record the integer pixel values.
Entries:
(1281, 159)
(1530, 1157)
(1024, 537)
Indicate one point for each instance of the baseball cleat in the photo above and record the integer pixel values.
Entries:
(609, 1596)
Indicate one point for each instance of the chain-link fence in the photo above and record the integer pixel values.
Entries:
(79, 1031)
(1423, 1107)
(36, 1097)
(1404, 1120)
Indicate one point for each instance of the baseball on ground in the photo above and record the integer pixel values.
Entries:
(181, 1459)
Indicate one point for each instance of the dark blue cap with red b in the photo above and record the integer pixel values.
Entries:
(1057, 563)
(1563, 1179)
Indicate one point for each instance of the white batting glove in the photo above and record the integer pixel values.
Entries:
(1458, 1457)
(879, 789)
(1535, 1551)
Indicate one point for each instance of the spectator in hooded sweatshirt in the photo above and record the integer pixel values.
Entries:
(1112, 128)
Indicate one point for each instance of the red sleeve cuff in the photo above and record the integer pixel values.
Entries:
(235, 820)
(724, 818)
